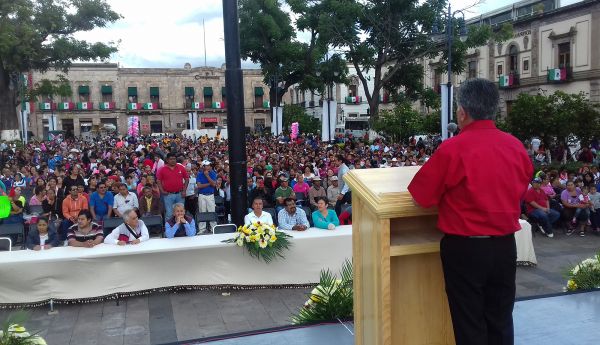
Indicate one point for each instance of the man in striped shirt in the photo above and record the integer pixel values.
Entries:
(85, 233)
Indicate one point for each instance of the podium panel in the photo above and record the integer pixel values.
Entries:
(399, 295)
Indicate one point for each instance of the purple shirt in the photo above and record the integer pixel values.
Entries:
(571, 200)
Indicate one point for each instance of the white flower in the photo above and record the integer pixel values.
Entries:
(240, 241)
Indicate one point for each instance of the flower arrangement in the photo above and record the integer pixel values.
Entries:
(330, 300)
(261, 240)
(13, 333)
(585, 275)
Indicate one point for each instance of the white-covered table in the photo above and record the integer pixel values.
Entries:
(525, 251)
(78, 274)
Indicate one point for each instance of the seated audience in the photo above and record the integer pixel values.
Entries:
(180, 224)
(538, 207)
(72, 205)
(38, 196)
(333, 190)
(85, 233)
(150, 205)
(324, 218)
(316, 191)
(43, 237)
(101, 203)
(262, 192)
(291, 217)
(571, 203)
(257, 214)
(283, 192)
(132, 231)
(124, 200)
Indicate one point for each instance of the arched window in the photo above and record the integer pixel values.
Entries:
(513, 59)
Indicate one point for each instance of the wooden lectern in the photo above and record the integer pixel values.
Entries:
(399, 295)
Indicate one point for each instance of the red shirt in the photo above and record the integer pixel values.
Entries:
(172, 179)
(477, 179)
(539, 196)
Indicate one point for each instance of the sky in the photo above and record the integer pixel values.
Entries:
(170, 33)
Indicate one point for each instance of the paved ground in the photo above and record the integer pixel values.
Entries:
(166, 318)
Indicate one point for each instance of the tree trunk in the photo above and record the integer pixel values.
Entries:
(9, 119)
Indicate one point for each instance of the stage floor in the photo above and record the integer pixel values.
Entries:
(562, 319)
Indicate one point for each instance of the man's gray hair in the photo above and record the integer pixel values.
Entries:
(127, 213)
(479, 98)
(178, 205)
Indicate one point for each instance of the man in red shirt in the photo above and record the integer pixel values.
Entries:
(477, 179)
(172, 181)
(538, 207)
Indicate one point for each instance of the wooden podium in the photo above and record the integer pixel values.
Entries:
(399, 295)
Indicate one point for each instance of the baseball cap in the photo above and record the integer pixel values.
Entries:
(334, 178)
(316, 178)
(206, 162)
(536, 180)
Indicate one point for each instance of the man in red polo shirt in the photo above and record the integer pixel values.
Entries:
(477, 179)
(172, 181)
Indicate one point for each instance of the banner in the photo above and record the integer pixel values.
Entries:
(277, 123)
(446, 110)
(328, 120)
(193, 117)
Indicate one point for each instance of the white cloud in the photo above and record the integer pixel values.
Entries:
(169, 33)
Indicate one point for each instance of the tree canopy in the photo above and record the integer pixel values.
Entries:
(40, 35)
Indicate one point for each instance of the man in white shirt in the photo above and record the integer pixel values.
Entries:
(257, 214)
(124, 200)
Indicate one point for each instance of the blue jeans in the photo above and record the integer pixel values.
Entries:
(170, 200)
(545, 219)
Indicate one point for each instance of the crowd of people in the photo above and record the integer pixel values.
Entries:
(291, 183)
(79, 184)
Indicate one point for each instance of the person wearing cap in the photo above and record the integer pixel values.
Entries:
(316, 191)
(205, 182)
(333, 190)
(172, 181)
(283, 192)
(477, 180)
(538, 207)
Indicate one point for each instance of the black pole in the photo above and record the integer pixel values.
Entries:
(235, 113)
(449, 86)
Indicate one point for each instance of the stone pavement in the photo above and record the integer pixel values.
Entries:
(167, 318)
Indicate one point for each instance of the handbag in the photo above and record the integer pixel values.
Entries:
(125, 238)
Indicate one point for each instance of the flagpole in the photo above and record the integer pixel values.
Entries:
(204, 31)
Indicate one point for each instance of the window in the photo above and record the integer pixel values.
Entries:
(132, 94)
(208, 97)
(499, 70)
(154, 95)
(224, 96)
(156, 127)
(189, 97)
(472, 66)
(84, 93)
(107, 93)
(437, 81)
(564, 55)
(525, 65)
(259, 125)
(513, 59)
(353, 90)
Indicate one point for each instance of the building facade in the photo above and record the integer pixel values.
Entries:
(552, 48)
(105, 97)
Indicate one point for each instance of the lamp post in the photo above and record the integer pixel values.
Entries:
(328, 79)
(274, 80)
(447, 106)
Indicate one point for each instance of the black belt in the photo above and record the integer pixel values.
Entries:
(480, 237)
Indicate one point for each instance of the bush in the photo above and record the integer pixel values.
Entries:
(585, 275)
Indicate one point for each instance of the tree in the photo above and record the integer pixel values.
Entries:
(295, 113)
(399, 124)
(390, 37)
(268, 36)
(47, 88)
(39, 35)
(431, 123)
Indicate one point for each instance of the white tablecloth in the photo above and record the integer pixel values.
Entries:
(70, 273)
(525, 251)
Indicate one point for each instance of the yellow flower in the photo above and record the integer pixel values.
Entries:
(260, 231)
(272, 231)
(273, 238)
(247, 231)
(571, 285)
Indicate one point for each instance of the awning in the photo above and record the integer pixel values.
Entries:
(84, 90)
(189, 91)
(106, 89)
(209, 120)
(208, 91)
(224, 91)
(132, 91)
(154, 91)
(258, 91)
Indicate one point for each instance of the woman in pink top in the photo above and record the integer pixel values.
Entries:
(547, 187)
(38, 197)
(301, 186)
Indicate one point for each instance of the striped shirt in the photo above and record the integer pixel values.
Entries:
(75, 233)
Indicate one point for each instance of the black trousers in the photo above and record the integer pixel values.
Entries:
(480, 284)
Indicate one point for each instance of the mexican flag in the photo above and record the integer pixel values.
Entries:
(84, 106)
(46, 106)
(64, 106)
(353, 99)
(149, 106)
(132, 106)
(197, 105)
(505, 81)
(217, 105)
(557, 74)
(266, 104)
(105, 105)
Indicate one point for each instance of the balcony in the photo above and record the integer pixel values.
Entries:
(353, 100)
(508, 81)
(84, 106)
(142, 107)
(47, 106)
(216, 105)
(560, 75)
(66, 106)
(106, 106)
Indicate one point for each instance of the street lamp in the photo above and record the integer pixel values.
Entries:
(328, 79)
(274, 81)
(447, 106)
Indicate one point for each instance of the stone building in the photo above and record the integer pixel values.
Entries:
(552, 48)
(106, 96)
